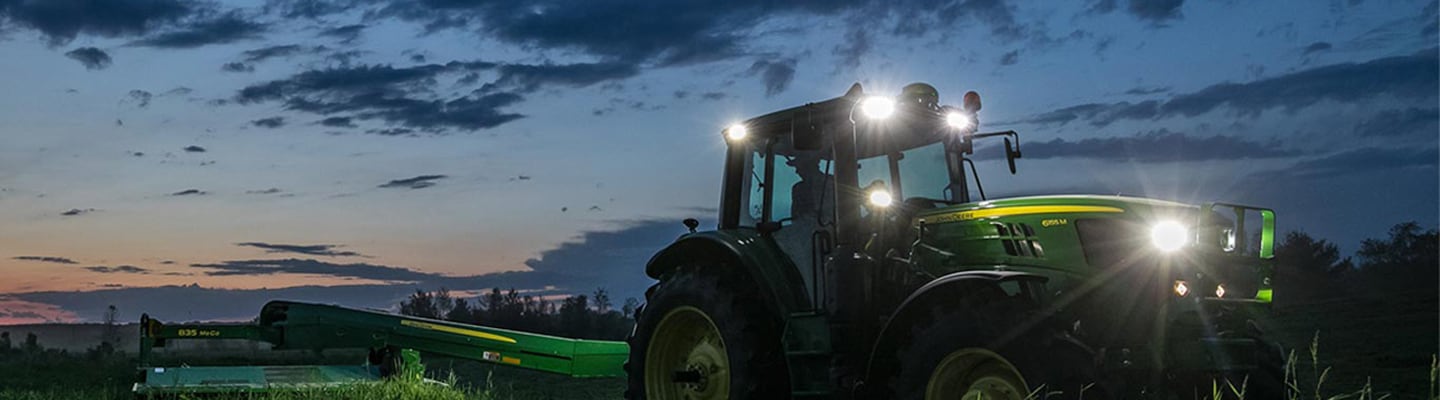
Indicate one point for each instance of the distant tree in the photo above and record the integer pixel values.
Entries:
(111, 334)
(443, 302)
(1409, 250)
(32, 344)
(631, 305)
(5, 345)
(1305, 254)
(420, 304)
(575, 315)
(600, 299)
(460, 312)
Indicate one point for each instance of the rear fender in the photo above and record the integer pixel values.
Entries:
(748, 256)
(937, 293)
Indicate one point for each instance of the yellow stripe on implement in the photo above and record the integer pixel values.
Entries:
(457, 331)
(1019, 210)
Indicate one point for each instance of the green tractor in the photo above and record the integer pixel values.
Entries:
(851, 261)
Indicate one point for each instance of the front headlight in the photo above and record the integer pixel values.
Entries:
(1169, 236)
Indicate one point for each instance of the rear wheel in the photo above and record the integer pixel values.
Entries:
(701, 337)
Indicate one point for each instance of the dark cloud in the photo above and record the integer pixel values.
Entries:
(1157, 146)
(121, 269)
(230, 28)
(266, 53)
(62, 20)
(1411, 77)
(419, 182)
(1010, 58)
(346, 34)
(528, 78)
(327, 250)
(264, 191)
(1155, 11)
(713, 96)
(271, 122)
(315, 267)
(56, 260)
(90, 57)
(1144, 91)
(337, 122)
(1317, 47)
(1368, 159)
(403, 96)
(190, 192)
(775, 74)
(140, 97)
(237, 67)
(311, 9)
(1400, 122)
(77, 211)
(194, 149)
(856, 45)
(392, 132)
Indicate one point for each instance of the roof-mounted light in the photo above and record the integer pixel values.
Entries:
(959, 120)
(736, 132)
(877, 107)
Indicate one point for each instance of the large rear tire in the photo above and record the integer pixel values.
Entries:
(702, 337)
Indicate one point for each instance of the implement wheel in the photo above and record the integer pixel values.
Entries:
(699, 338)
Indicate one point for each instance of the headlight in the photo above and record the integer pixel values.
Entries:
(1169, 236)
(880, 198)
(958, 120)
(877, 107)
(736, 132)
(1181, 289)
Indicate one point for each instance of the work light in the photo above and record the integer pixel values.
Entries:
(880, 198)
(877, 107)
(959, 120)
(1169, 236)
(736, 132)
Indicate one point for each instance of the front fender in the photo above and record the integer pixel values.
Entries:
(930, 295)
(753, 257)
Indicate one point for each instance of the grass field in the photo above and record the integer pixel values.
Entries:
(1385, 342)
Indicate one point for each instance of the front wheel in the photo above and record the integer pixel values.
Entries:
(699, 337)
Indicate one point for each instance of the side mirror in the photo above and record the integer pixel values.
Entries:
(691, 224)
(1011, 153)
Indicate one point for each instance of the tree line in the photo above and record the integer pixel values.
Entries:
(591, 316)
(1405, 262)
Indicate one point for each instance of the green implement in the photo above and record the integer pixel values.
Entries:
(392, 340)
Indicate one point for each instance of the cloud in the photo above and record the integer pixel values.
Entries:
(266, 53)
(269, 123)
(314, 249)
(1142, 91)
(1157, 146)
(122, 269)
(526, 78)
(194, 149)
(140, 97)
(404, 96)
(713, 96)
(1155, 11)
(857, 44)
(264, 191)
(337, 122)
(346, 34)
(1368, 159)
(77, 211)
(419, 182)
(92, 58)
(1412, 77)
(1317, 47)
(230, 28)
(62, 20)
(190, 192)
(1400, 122)
(364, 271)
(1010, 58)
(237, 67)
(775, 74)
(56, 260)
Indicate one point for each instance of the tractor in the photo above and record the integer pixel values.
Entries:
(851, 261)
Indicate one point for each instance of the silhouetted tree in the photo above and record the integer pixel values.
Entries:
(600, 299)
(1305, 254)
(631, 306)
(575, 315)
(1409, 257)
(111, 334)
(461, 312)
(32, 344)
(420, 304)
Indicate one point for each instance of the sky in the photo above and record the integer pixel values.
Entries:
(193, 159)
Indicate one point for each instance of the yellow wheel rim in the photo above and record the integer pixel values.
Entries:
(686, 358)
(975, 374)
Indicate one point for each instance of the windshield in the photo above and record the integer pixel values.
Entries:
(922, 172)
